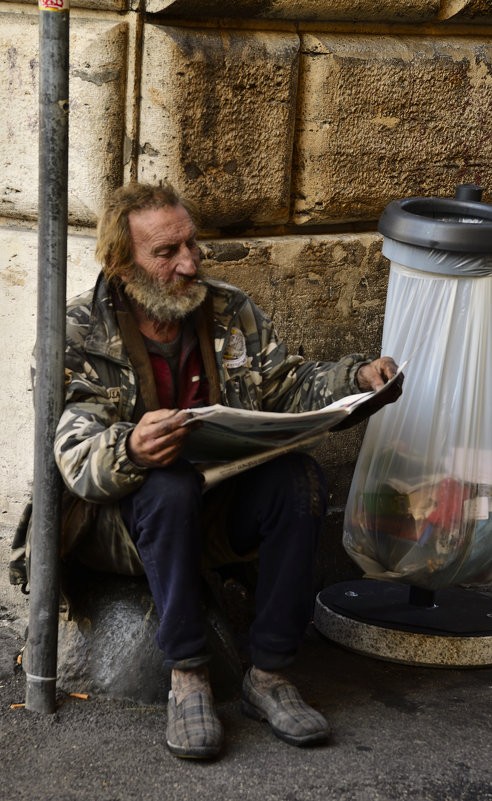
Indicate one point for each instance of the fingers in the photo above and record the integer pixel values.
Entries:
(163, 456)
(163, 421)
(374, 376)
(369, 377)
(390, 369)
(164, 427)
(154, 444)
(158, 438)
(387, 366)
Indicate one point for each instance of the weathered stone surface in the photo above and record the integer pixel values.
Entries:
(97, 75)
(325, 294)
(107, 648)
(383, 118)
(217, 119)
(358, 10)
(466, 10)
(10, 646)
(18, 270)
(97, 87)
(101, 5)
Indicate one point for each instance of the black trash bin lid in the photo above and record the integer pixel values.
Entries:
(442, 223)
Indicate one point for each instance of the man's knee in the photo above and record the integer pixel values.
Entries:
(299, 478)
(180, 483)
(293, 483)
(178, 486)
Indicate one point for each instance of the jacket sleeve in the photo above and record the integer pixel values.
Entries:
(90, 440)
(293, 384)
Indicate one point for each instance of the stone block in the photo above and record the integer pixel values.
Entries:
(325, 294)
(384, 117)
(10, 646)
(97, 90)
(106, 641)
(466, 11)
(18, 270)
(217, 119)
(357, 10)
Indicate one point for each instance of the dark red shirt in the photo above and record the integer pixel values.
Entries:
(190, 386)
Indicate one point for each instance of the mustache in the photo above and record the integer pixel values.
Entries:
(179, 284)
(172, 287)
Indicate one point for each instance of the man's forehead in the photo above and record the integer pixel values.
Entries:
(165, 224)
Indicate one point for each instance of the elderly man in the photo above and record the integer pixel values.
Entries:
(152, 338)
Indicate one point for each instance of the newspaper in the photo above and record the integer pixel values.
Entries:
(229, 440)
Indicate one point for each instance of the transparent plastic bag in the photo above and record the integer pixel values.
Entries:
(419, 509)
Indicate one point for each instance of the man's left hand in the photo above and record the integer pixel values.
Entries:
(374, 376)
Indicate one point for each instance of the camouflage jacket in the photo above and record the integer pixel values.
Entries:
(109, 384)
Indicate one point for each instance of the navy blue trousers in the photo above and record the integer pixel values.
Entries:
(276, 509)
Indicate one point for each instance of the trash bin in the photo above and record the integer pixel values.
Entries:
(419, 509)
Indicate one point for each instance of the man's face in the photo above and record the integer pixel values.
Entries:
(166, 263)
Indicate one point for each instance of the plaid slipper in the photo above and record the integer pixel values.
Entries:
(290, 718)
(193, 728)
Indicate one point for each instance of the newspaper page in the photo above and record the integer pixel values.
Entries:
(229, 440)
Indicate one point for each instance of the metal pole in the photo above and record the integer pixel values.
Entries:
(41, 651)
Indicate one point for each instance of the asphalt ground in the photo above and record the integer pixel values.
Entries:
(399, 732)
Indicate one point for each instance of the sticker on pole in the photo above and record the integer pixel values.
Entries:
(54, 5)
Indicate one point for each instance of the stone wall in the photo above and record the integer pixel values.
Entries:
(292, 123)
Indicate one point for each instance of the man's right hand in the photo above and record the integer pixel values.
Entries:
(158, 438)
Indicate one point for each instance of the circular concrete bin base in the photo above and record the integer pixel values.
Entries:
(375, 618)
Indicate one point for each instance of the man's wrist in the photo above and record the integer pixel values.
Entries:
(355, 376)
(130, 454)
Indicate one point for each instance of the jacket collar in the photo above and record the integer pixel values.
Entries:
(104, 336)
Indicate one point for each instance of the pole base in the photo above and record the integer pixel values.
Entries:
(375, 618)
(41, 696)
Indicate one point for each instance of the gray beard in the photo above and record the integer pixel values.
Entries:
(165, 302)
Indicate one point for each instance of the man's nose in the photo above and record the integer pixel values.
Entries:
(185, 263)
